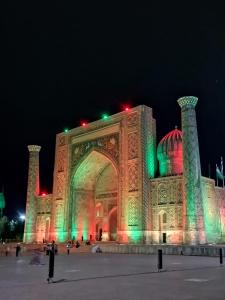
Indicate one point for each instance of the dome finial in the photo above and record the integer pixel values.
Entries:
(175, 126)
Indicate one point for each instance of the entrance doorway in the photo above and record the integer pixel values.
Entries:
(164, 237)
(98, 235)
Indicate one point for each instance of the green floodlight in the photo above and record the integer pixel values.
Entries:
(105, 116)
(2, 201)
(66, 130)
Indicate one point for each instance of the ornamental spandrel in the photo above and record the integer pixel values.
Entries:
(107, 144)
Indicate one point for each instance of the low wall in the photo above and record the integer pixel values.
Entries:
(167, 249)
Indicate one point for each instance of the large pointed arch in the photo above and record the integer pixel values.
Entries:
(94, 169)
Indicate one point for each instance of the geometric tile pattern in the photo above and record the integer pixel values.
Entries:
(61, 160)
(132, 119)
(133, 176)
(169, 201)
(58, 215)
(163, 194)
(133, 145)
(61, 141)
(192, 169)
(32, 191)
(133, 213)
(60, 185)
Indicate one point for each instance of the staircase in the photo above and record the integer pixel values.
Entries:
(62, 249)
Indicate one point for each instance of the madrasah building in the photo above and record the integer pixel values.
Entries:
(105, 185)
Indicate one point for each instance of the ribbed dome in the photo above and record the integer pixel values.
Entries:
(170, 153)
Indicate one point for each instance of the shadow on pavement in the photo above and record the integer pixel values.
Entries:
(135, 274)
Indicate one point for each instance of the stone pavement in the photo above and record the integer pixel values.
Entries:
(112, 276)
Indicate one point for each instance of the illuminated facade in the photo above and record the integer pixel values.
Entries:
(108, 186)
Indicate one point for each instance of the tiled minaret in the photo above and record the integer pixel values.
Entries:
(194, 232)
(33, 190)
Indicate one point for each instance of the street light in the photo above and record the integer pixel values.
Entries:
(22, 217)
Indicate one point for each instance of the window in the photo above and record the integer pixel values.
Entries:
(99, 210)
(164, 218)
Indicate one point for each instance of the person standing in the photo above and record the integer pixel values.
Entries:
(56, 249)
(7, 250)
(18, 249)
(77, 244)
(68, 246)
(51, 263)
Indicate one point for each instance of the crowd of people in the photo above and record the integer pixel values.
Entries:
(8, 249)
(69, 245)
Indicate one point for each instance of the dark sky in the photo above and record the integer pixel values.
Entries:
(61, 64)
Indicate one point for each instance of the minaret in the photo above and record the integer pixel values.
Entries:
(33, 190)
(194, 232)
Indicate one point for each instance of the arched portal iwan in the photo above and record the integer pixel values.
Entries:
(94, 195)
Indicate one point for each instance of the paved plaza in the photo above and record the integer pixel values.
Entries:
(112, 276)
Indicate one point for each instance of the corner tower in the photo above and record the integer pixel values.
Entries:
(33, 190)
(194, 232)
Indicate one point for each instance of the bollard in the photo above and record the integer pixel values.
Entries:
(221, 256)
(51, 264)
(160, 263)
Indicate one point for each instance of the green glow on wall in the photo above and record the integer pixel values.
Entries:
(60, 236)
(85, 228)
(191, 210)
(29, 229)
(135, 236)
(163, 167)
(59, 223)
(27, 237)
(30, 220)
(150, 159)
(150, 145)
(211, 218)
(74, 231)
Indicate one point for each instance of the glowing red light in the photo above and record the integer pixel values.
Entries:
(126, 107)
(83, 123)
(43, 194)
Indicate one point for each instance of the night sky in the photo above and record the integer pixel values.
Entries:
(62, 64)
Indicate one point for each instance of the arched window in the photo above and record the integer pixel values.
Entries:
(99, 210)
(164, 218)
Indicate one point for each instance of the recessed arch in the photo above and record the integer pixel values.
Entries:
(162, 219)
(88, 155)
(113, 224)
(94, 183)
(47, 228)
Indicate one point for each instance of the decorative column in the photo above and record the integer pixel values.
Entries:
(33, 190)
(194, 232)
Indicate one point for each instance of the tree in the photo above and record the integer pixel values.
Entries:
(3, 225)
